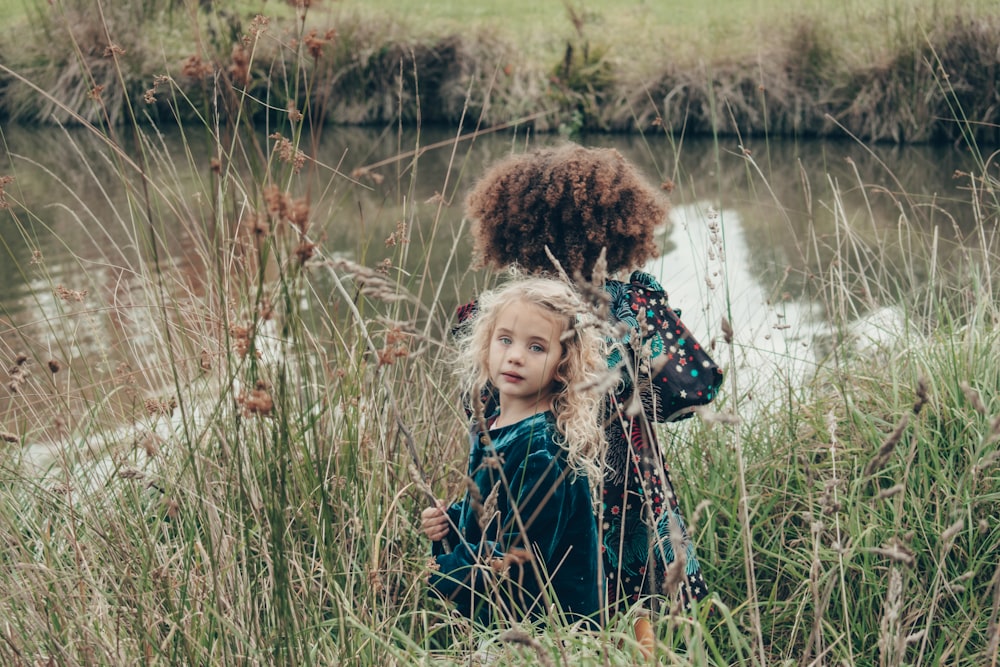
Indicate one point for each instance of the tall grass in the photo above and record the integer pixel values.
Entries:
(224, 404)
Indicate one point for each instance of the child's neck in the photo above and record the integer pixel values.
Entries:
(513, 411)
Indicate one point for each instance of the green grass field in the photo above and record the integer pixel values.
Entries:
(734, 28)
(726, 28)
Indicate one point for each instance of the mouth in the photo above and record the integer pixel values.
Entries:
(511, 377)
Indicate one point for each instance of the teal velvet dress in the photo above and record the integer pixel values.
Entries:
(522, 494)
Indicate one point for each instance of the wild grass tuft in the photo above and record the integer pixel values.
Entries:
(899, 72)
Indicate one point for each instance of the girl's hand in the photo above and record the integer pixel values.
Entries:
(434, 522)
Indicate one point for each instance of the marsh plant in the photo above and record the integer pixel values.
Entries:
(218, 430)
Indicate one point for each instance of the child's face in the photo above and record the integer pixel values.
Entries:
(524, 355)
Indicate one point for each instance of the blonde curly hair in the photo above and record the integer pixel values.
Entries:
(577, 397)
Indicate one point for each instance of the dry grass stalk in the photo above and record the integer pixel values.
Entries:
(696, 517)
(675, 576)
(418, 480)
(891, 491)
(155, 407)
(829, 502)
(151, 444)
(257, 401)
(370, 282)
(922, 396)
(815, 645)
(727, 330)
(987, 461)
(242, 339)
(522, 638)
(489, 510)
(480, 420)
(948, 536)
(475, 498)
(993, 630)
(897, 552)
(994, 430)
(885, 451)
(605, 382)
(4, 181)
(287, 152)
(69, 295)
(891, 642)
(593, 292)
(973, 397)
(711, 417)
(18, 373)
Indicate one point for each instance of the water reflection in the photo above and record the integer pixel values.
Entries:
(772, 335)
(756, 235)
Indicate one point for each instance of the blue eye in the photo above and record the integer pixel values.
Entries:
(536, 348)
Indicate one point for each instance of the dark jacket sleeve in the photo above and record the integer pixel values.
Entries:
(464, 568)
(538, 490)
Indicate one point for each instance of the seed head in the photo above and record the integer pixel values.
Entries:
(4, 181)
(973, 397)
(171, 507)
(489, 508)
(256, 402)
(239, 66)
(885, 451)
(524, 639)
(727, 330)
(305, 251)
(951, 531)
(890, 492)
(896, 551)
(921, 395)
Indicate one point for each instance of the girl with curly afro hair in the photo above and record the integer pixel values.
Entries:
(575, 203)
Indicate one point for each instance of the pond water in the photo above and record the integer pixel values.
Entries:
(757, 231)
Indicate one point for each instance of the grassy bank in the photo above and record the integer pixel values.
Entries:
(896, 72)
(239, 489)
(226, 429)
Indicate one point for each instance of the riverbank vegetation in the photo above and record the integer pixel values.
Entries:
(218, 432)
(897, 72)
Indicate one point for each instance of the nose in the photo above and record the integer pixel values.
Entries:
(515, 355)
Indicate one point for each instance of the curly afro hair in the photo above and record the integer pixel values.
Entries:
(574, 200)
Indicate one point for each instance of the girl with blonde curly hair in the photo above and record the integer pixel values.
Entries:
(529, 511)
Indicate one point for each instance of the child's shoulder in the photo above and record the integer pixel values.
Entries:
(627, 297)
(642, 281)
(638, 282)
